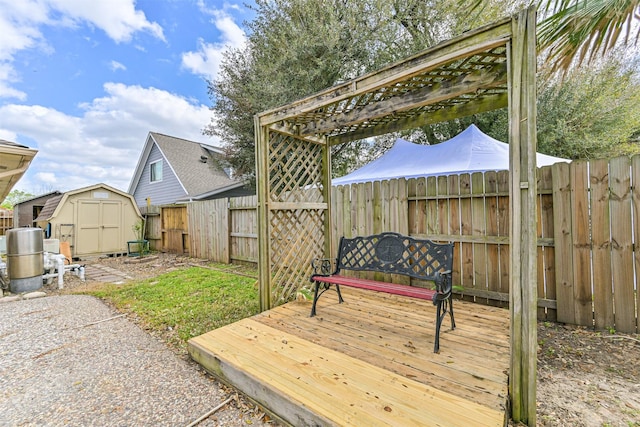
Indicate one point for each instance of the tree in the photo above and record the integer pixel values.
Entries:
(590, 113)
(14, 197)
(299, 47)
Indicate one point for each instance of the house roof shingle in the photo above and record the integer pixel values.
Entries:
(185, 158)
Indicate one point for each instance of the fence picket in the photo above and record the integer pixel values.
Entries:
(582, 295)
(602, 293)
(503, 228)
(548, 277)
(455, 226)
(479, 228)
(563, 240)
(442, 189)
(621, 244)
(635, 182)
(466, 221)
(491, 221)
(431, 207)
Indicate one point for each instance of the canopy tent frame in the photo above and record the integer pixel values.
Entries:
(485, 69)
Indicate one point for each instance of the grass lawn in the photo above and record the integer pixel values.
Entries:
(185, 303)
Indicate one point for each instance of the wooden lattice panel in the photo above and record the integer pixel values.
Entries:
(295, 176)
(451, 74)
(295, 170)
(296, 238)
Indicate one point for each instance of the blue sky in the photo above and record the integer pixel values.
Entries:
(84, 82)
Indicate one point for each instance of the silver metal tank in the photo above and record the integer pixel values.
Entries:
(25, 262)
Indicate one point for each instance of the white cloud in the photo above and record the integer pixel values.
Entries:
(103, 144)
(20, 23)
(115, 66)
(7, 75)
(47, 178)
(118, 18)
(206, 60)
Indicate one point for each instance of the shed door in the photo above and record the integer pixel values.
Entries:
(99, 227)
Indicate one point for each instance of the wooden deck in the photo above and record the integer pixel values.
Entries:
(368, 361)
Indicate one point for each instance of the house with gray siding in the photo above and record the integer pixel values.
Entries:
(175, 170)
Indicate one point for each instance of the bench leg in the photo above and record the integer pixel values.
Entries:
(441, 313)
(439, 316)
(317, 293)
(453, 321)
(315, 299)
(340, 300)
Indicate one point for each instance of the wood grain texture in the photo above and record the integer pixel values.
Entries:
(366, 362)
(622, 244)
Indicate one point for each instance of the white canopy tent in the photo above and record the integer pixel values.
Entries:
(470, 151)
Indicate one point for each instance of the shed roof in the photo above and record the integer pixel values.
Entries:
(50, 208)
(41, 196)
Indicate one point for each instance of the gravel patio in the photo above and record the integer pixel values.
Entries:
(72, 360)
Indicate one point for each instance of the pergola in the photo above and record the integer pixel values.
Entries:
(482, 70)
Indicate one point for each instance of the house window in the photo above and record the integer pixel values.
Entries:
(156, 171)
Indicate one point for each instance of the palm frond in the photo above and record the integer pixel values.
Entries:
(577, 30)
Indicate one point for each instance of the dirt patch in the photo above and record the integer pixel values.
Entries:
(585, 378)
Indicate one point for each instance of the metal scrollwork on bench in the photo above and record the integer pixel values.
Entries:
(389, 249)
(324, 266)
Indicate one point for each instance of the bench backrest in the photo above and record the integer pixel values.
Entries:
(396, 254)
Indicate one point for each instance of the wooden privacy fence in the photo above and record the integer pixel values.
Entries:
(6, 221)
(597, 225)
(221, 230)
(224, 230)
(166, 228)
(588, 223)
(152, 226)
(472, 210)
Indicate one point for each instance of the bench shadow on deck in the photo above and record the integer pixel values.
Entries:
(368, 361)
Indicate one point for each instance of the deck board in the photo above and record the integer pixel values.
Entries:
(368, 361)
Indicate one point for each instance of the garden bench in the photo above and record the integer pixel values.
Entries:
(391, 253)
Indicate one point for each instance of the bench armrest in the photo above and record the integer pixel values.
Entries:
(443, 283)
(324, 267)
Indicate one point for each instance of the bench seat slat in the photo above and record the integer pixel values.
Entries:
(374, 285)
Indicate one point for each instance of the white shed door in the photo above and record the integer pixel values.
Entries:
(99, 227)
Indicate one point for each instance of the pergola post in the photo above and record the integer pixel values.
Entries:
(262, 189)
(523, 229)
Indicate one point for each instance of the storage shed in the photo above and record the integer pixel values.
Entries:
(95, 220)
(26, 211)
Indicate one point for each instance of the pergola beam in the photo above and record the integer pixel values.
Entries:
(295, 132)
(464, 84)
(487, 103)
